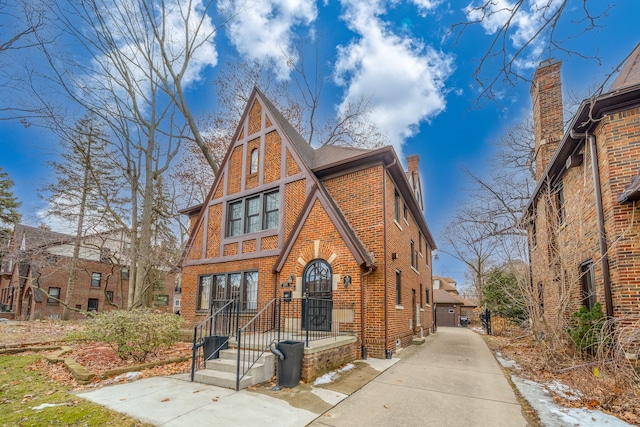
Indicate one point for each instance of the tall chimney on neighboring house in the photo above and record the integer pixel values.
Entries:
(548, 123)
(413, 161)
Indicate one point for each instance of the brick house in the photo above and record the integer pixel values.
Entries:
(340, 224)
(583, 216)
(35, 273)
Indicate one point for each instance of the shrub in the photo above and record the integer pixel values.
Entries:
(586, 329)
(135, 334)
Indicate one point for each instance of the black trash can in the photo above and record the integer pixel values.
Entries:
(289, 368)
(464, 321)
(213, 345)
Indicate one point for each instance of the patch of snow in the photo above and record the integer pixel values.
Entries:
(326, 378)
(46, 405)
(563, 390)
(554, 415)
(347, 367)
(507, 363)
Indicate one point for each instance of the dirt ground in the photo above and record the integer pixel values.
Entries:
(98, 358)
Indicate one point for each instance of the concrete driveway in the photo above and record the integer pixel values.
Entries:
(451, 380)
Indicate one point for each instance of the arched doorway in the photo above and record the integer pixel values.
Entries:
(316, 311)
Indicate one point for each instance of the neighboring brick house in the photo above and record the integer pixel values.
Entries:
(35, 273)
(584, 219)
(450, 307)
(340, 223)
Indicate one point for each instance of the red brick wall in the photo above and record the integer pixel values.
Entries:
(577, 239)
(321, 362)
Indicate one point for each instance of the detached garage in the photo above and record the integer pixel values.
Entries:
(447, 308)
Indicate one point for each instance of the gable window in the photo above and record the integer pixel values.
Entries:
(398, 287)
(396, 205)
(253, 214)
(92, 304)
(253, 167)
(587, 282)
(95, 280)
(54, 296)
(240, 286)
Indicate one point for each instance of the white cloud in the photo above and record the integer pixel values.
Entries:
(264, 30)
(426, 6)
(524, 24)
(184, 25)
(402, 78)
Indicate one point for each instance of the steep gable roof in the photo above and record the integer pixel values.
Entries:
(29, 238)
(630, 73)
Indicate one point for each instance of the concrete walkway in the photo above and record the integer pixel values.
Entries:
(450, 380)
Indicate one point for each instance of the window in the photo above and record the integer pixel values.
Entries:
(252, 214)
(54, 296)
(92, 304)
(419, 242)
(560, 203)
(413, 251)
(398, 288)
(404, 211)
(396, 205)
(109, 295)
(124, 273)
(587, 281)
(426, 295)
(541, 296)
(533, 232)
(421, 295)
(271, 210)
(95, 280)
(52, 259)
(162, 300)
(204, 292)
(241, 286)
(253, 167)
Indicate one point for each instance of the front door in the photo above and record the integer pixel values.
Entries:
(316, 310)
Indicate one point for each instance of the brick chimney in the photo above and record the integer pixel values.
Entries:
(413, 161)
(548, 123)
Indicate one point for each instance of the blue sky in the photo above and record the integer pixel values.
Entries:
(396, 53)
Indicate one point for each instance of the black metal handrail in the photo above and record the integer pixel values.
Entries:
(255, 337)
(291, 319)
(221, 323)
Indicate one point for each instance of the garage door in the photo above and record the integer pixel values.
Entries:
(445, 316)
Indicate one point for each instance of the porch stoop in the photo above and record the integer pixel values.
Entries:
(221, 372)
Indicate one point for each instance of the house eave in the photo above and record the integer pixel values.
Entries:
(588, 116)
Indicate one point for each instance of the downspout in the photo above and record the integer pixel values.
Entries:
(363, 347)
(604, 251)
(387, 353)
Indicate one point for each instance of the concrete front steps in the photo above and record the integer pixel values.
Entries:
(221, 372)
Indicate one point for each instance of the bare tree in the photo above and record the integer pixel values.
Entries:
(133, 81)
(523, 32)
(84, 184)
